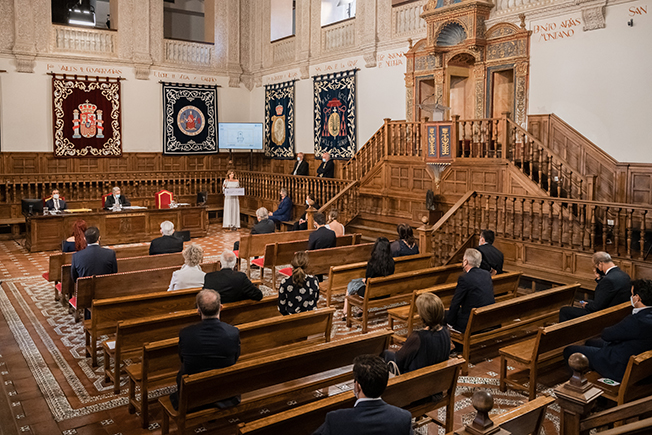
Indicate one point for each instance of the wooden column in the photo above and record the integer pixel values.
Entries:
(424, 233)
(309, 219)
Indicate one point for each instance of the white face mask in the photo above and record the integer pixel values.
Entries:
(117, 195)
(631, 301)
(298, 159)
(307, 203)
(55, 196)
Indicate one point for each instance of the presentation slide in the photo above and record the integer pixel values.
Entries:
(241, 136)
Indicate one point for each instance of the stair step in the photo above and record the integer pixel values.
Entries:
(370, 233)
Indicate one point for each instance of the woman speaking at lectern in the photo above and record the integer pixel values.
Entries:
(231, 203)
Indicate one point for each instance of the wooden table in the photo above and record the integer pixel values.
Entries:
(45, 233)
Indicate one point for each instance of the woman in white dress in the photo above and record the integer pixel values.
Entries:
(231, 203)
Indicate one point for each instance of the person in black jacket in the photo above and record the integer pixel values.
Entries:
(609, 354)
(208, 345)
(55, 202)
(474, 290)
(613, 288)
(300, 166)
(302, 223)
(327, 168)
(264, 225)
(116, 197)
(492, 258)
(233, 286)
(167, 243)
(322, 237)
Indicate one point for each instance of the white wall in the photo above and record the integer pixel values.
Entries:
(598, 81)
(281, 20)
(182, 20)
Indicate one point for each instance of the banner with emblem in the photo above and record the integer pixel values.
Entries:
(86, 116)
(279, 120)
(335, 114)
(189, 119)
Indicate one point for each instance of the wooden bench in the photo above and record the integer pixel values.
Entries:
(253, 245)
(546, 349)
(55, 262)
(401, 391)
(281, 253)
(636, 383)
(505, 287)
(398, 288)
(521, 315)
(273, 379)
(638, 409)
(118, 284)
(340, 276)
(160, 359)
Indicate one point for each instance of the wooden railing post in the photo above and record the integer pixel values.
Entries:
(591, 181)
(310, 221)
(387, 137)
(425, 236)
(455, 142)
(504, 136)
(576, 397)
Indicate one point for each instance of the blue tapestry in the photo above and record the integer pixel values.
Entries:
(335, 116)
(279, 120)
(189, 119)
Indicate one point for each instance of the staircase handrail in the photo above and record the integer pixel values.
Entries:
(451, 211)
(351, 190)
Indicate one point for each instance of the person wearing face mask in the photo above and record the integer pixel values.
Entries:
(284, 210)
(116, 198)
(609, 354)
(302, 223)
(612, 289)
(56, 202)
(327, 167)
(300, 166)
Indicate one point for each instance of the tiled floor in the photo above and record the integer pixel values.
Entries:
(48, 387)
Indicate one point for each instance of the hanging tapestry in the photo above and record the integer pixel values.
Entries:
(190, 119)
(86, 116)
(335, 117)
(279, 120)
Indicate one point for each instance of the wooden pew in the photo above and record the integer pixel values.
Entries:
(515, 315)
(397, 288)
(160, 359)
(401, 391)
(340, 276)
(128, 264)
(59, 259)
(636, 383)
(253, 245)
(547, 348)
(281, 253)
(118, 284)
(638, 409)
(505, 287)
(306, 369)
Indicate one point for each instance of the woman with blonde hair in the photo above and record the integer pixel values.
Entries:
(231, 215)
(300, 291)
(332, 223)
(190, 275)
(429, 346)
(77, 241)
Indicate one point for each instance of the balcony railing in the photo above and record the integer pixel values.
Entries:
(84, 41)
(188, 53)
(338, 35)
(406, 19)
(284, 50)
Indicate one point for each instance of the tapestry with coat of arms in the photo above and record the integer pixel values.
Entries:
(279, 120)
(335, 114)
(189, 119)
(86, 116)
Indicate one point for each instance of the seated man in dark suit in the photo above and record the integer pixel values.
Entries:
(609, 354)
(327, 168)
(492, 258)
(300, 166)
(116, 198)
(474, 290)
(284, 210)
(613, 288)
(264, 226)
(233, 286)
(208, 345)
(322, 237)
(370, 415)
(56, 203)
(94, 259)
(167, 243)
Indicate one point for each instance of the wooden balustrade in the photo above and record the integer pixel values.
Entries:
(479, 138)
(345, 202)
(619, 229)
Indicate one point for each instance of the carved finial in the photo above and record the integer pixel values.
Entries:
(424, 219)
(483, 401)
(580, 364)
(522, 17)
(410, 42)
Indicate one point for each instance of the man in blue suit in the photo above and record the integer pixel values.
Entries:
(284, 210)
(94, 259)
(609, 354)
(370, 414)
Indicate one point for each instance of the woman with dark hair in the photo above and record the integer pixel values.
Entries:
(406, 243)
(429, 346)
(77, 241)
(300, 291)
(302, 223)
(381, 263)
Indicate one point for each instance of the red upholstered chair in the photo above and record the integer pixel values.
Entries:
(104, 197)
(164, 198)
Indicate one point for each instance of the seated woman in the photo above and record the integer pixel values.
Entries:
(302, 223)
(298, 292)
(381, 263)
(333, 225)
(406, 243)
(77, 241)
(190, 275)
(429, 346)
